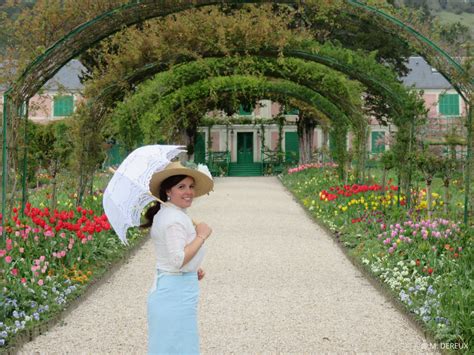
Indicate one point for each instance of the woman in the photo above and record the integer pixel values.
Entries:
(172, 302)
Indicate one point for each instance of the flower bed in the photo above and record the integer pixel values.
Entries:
(47, 258)
(426, 263)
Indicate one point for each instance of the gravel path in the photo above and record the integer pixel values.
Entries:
(275, 283)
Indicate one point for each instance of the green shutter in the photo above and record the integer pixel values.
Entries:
(63, 106)
(292, 149)
(378, 145)
(449, 104)
(332, 142)
(200, 148)
(245, 110)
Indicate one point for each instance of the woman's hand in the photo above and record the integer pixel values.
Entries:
(203, 230)
(201, 274)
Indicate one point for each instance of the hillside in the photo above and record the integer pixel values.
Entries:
(465, 18)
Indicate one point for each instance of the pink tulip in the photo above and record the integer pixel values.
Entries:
(42, 258)
(23, 280)
(40, 282)
(3, 252)
(14, 272)
(8, 259)
(22, 250)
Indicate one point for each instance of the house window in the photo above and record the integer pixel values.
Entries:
(63, 106)
(449, 105)
(245, 109)
(292, 111)
(378, 142)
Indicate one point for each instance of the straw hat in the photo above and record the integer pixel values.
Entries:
(202, 178)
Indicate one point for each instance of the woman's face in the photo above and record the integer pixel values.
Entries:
(182, 193)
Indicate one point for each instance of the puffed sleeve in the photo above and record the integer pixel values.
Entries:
(175, 235)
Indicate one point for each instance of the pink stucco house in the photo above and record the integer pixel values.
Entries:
(246, 142)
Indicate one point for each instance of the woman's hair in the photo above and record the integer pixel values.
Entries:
(167, 184)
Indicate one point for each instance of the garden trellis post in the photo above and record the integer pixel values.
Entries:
(468, 162)
(24, 113)
(4, 154)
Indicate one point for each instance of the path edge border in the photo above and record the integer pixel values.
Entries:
(97, 281)
(378, 284)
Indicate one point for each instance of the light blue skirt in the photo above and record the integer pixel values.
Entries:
(172, 315)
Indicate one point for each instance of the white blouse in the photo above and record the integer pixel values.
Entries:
(171, 231)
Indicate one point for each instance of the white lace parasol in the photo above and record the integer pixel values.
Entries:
(128, 191)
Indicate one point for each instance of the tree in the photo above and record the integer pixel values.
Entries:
(50, 148)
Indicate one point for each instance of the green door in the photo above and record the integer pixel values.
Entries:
(378, 144)
(200, 149)
(292, 148)
(244, 147)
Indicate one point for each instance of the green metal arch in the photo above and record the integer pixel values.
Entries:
(456, 69)
(188, 73)
(241, 83)
(89, 33)
(55, 57)
(377, 83)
